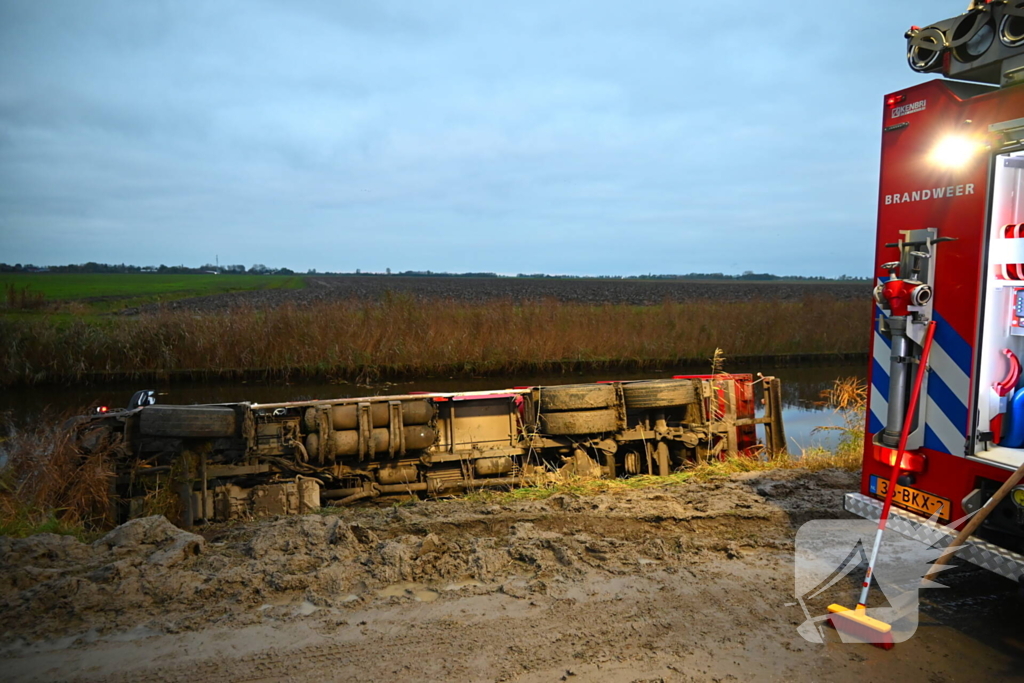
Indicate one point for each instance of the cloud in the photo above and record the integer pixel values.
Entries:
(574, 137)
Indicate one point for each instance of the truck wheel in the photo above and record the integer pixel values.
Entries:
(661, 393)
(577, 397)
(188, 421)
(579, 422)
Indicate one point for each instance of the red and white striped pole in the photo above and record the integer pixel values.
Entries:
(907, 425)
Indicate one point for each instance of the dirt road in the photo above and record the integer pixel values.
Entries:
(688, 583)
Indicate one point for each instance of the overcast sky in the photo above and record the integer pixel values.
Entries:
(588, 137)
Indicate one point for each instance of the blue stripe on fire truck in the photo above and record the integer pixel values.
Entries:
(948, 387)
(953, 344)
(879, 392)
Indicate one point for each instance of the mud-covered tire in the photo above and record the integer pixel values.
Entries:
(205, 422)
(659, 393)
(576, 422)
(577, 397)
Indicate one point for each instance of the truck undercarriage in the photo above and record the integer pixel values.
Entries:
(229, 461)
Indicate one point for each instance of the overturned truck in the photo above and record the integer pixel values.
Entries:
(238, 460)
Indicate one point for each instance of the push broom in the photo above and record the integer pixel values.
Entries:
(856, 622)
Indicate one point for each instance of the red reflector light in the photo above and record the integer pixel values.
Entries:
(912, 461)
(102, 409)
(893, 100)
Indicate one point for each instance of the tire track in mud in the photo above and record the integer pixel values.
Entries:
(682, 583)
(625, 627)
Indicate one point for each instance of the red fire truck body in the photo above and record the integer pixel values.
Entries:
(951, 240)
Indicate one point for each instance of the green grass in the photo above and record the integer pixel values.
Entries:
(104, 292)
(24, 526)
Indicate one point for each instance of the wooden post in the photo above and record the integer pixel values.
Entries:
(774, 432)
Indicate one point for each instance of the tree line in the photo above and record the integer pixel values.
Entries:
(260, 269)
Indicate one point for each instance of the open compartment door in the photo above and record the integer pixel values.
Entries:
(999, 429)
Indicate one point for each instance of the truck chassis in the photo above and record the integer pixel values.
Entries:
(241, 460)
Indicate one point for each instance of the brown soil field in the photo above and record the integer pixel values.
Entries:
(692, 582)
(585, 291)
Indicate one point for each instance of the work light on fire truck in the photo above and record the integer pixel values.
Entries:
(953, 151)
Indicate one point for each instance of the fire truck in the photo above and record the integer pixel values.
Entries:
(950, 249)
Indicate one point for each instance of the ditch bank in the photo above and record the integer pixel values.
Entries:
(685, 582)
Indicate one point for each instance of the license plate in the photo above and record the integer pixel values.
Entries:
(912, 499)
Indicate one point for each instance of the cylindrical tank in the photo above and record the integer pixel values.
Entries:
(488, 467)
(347, 416)
(397, 474)
(346, 442)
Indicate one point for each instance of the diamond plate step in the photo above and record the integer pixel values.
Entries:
(982, 553)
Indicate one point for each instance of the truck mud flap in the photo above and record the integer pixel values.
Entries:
(976, 551)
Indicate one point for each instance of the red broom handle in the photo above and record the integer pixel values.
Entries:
(911, 407)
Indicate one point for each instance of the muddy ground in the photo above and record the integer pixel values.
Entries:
(686, 583)
(478, 290)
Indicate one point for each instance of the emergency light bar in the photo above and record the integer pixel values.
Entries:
(985, 44)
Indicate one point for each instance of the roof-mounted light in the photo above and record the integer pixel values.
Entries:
(1011, 27)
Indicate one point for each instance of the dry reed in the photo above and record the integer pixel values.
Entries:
(23, 298)
(401, 335)
(48, 482)
(848, 398)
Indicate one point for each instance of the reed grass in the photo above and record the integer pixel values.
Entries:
(49, 484)
(404, 336)
(848, 398)
(23, 298)
(813, 461)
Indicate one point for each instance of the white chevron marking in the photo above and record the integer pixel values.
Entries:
(947, 432)
(950, 373)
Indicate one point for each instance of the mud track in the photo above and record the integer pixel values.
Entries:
(690, 582)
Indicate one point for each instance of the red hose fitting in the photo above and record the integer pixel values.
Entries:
(897, 295)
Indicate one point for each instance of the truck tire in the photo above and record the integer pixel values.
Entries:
(659, 393)
(579, 422)
(577, 397)
(207, 422)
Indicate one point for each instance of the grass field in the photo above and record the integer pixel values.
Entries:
(105, 292)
